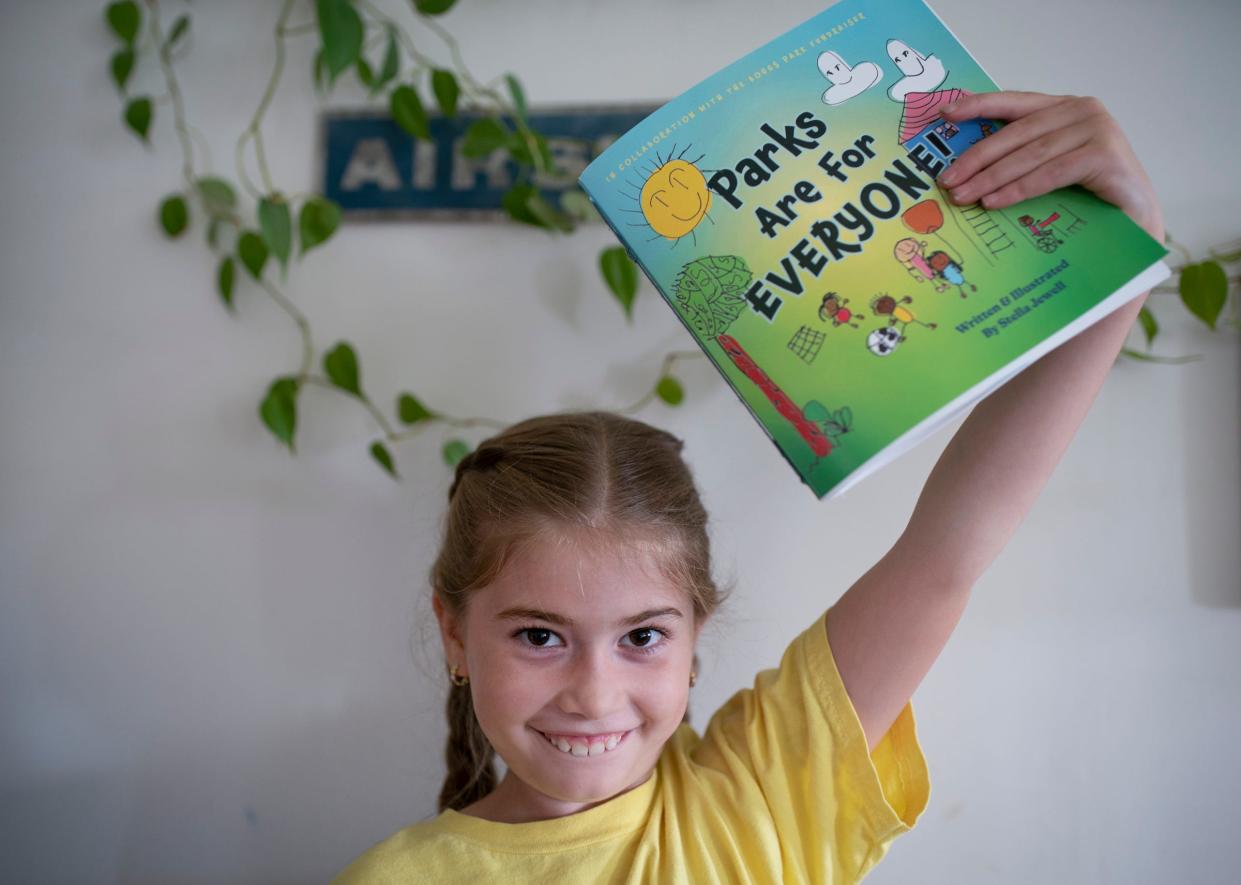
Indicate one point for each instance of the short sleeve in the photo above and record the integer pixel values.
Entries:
(834, 806)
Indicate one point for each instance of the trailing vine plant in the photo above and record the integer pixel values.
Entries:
(248, 223)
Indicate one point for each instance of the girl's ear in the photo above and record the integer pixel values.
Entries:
(450, 632)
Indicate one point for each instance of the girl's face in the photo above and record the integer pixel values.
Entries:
(588, 646)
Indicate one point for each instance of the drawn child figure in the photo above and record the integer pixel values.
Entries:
(884, 304)
(835, 308)
(949, 270)
(910, 253)
(575, 578)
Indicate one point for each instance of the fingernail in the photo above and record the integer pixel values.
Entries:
(949, 108)
(949, 176)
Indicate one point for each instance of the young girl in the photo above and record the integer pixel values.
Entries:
(575, 578)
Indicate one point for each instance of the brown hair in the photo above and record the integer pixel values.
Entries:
(593, 471)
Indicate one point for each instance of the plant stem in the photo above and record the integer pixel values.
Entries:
(254, 131)
(303, 325)
(664, 369)
(178, 103)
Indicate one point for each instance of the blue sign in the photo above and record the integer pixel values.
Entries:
(373, 168)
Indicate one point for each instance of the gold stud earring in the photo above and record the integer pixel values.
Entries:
(456, 679)
(693, 677)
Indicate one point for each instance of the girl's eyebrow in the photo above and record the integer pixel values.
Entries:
(520, 613)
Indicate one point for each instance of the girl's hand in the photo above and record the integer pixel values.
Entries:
(1050, 141)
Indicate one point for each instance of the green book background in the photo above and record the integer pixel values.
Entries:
(1017, 280)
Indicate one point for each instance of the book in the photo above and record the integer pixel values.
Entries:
(787, 210)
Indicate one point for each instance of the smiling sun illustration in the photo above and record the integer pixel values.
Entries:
(674, 198)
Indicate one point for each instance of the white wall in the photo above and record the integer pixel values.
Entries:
(205, 656)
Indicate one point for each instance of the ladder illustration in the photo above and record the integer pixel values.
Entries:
(1076, 224)
(985, 229)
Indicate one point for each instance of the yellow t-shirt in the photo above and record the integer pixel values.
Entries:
(779, 788)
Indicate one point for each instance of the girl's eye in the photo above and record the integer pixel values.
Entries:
(538, 636)
(642, 639)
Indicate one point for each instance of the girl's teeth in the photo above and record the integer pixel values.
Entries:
(582, 748)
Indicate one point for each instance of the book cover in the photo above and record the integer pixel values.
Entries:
(786, 209)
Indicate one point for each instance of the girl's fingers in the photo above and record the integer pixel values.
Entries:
(1060, 171)
(1020, 162)
(1059, 113)
(1001, 105)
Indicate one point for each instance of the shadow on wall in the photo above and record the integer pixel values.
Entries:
(1213, 495)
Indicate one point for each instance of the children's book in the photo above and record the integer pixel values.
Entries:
(787, 210)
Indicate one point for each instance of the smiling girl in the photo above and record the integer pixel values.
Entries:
(575, 579)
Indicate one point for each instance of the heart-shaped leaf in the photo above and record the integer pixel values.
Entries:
(341, 29)
(224, 280)
(174, 215)
(122, 66)
(408, 112)
(341, 365)
(279, 409)
(1204, 289)
(217, 195)
(252, 250)
(433, 7)
(410, 410)
(669, 390)
(138, 116)
(123, 18)
(277, 226)
(454, 450)
(179, 29)
(1149, 327)
(482, 137)
(621, 275)
(317, 221)
(381, 454)
(444, 85)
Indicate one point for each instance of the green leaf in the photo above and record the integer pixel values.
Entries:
(519, 97)
(519, 150)
(381, 454)
(122, 67)
(341, 365)
(1149, 326)
(433, 7)
(483, 136)
(277, 226)
(317, 221)
(454, 450)
(391, 64)
(524, 203)
(218, 195)
(1204, 289)
(341, 29)
(578, 206)
(138, 116)
(621, 275)
(123, 18)
(365, 74)
(444, 85)
(408, 112)
(224, 279)
(279, 409)
(252, 250)
(411, 411)
(174, 215)
(669, 390)
(179, 29)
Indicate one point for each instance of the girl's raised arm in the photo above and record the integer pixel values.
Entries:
(890, 626)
